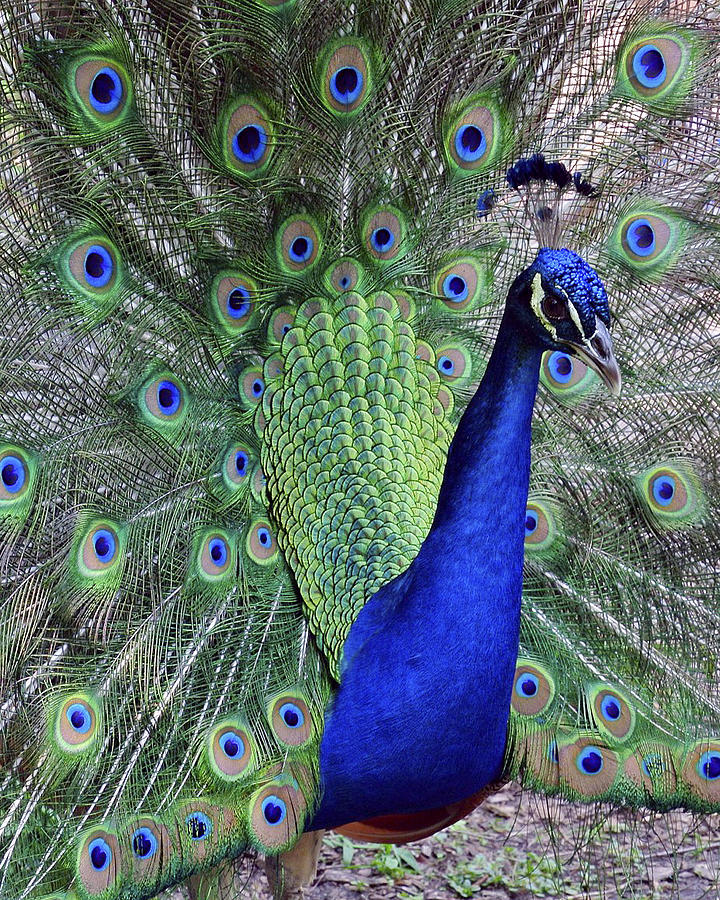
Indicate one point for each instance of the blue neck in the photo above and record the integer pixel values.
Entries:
(419, 719)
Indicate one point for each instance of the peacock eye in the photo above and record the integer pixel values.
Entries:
(554, 307)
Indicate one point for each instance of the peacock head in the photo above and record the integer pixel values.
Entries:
(562, 301)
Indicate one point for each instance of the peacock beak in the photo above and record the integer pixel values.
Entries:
(598, 353)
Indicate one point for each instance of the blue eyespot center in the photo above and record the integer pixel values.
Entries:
(346, 85)
(264, 537)
(292, 715)
(168, 398)
(98, 266)
(344, 282)
(641, 238)
(663, 490)
(445, 365)
(531, 522)
(560, 366)
(249, 143)
(257, 387)
(708, 766)
(12, 474)
(590, 761)
(198, 825)
(649, 66)
(79, 717)
(106, 91)
(238, 303)
(382, 239)
(232, 744)
(104, 545)
(611, 708)
(144, 843)
(527, 685)
(100, 854)
(470, 143)
(274, 810)
(455, 288)
(218, 552)
(241, 463)
(552, 752)
(301, 249)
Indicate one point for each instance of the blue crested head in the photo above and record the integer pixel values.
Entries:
(566, 272)
(561, 303)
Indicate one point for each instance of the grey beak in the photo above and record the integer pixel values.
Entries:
(598, 354)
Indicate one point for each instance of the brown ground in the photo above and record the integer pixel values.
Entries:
(505, 850)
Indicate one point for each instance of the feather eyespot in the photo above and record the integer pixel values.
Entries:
(202, 827)
(586, 767)
(527, 686)
(613, 714)
(16, 475)
(261, 543)
(701, 771)
(233, 300)
(103, 88)
(237, 464)
(657, 67)
(672, 494)
(216, 556)
(163, 401)
(76, 724)
(565, 376)
(277, 814)
(470, 143)
(99, 552)
(343, 275)
(281, 322)
(652, 768)
(461, 284)
(98, 861)
(298, 244)
(533, 690)
(473, 139)
(346, 79)
(231, 751)
(454, 364)
(93, 267)
(290, 720)
(708, 766)
(100, 854)
(384, 233)
(248, 138)
(648, 240)
(252, 385)
(540, 529)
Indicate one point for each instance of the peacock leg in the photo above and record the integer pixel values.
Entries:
(289, 872)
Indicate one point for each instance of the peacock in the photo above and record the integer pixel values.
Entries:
(289, 291)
